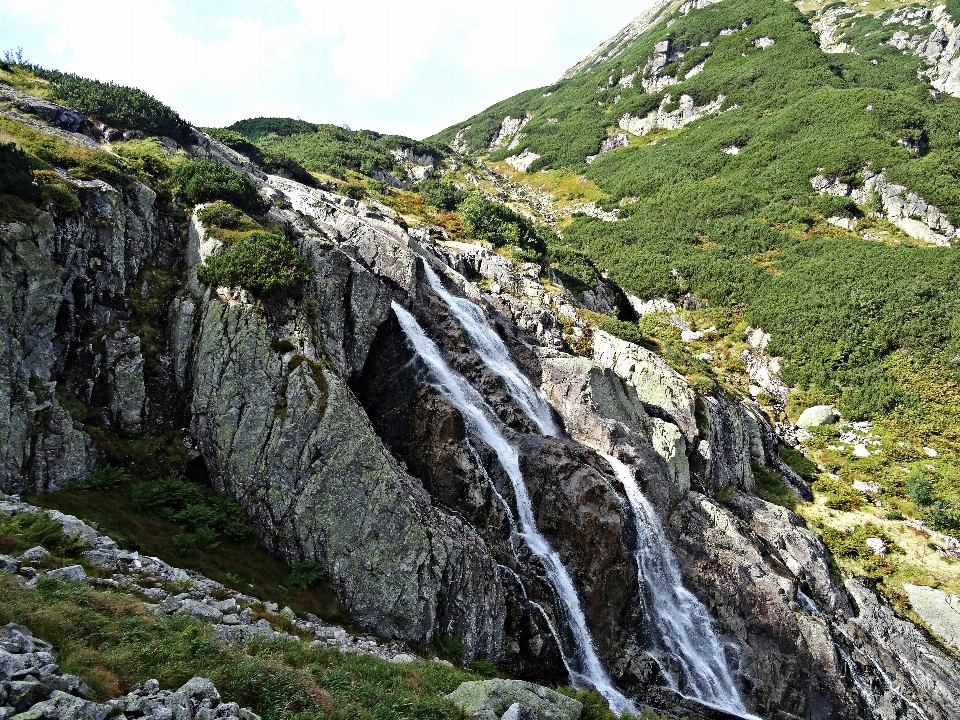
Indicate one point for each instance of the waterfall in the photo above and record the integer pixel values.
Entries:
(477, 415)
(680, 624)
(859, 682)
(495, 355)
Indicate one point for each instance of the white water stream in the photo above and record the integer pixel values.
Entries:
(477, 414)
(681, 625)
(495, 355)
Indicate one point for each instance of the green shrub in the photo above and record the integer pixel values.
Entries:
(839, 495)
(23, 531)
(150, 160)
(920, 490)
(496, 223)
(167, 495)
(953, 8)
(798, 463)
(328, 148)
(573, 267)
(184, 543)
(772, 489)
(440, 195)
(16, 176)
(116, 105)
(193, 507)
(354, 190)
(451, 649)
(220, 214)
(206, 180)
(944, 515)
(625, 331)
(108, 478)
(485, 668)
(264, 263)
(305, 573)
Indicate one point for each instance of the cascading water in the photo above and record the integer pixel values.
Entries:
(477, 415)
(859, 682)
(681, 625)
(495, 355)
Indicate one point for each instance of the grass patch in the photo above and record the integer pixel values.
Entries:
(265, 263)
(110, 641)
(772, 489)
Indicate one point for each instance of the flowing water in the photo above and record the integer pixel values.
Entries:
(477, 414)
(495, 355)
(680, 624)
(860, 683)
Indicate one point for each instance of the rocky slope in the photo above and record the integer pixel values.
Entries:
(317, 416)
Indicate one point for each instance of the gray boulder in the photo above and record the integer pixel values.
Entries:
(63, 706)
(73, 573)
(34, 556)
(818, 415)
(495, 699)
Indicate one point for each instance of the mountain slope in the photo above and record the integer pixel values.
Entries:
(795, 169)
(439, 403)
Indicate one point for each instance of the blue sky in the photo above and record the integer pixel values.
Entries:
(410, 67)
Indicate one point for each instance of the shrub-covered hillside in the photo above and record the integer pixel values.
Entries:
(724, 207)
(334, 150)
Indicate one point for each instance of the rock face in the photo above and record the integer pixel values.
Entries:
(939, 610)
(940, 50)
(685, 114)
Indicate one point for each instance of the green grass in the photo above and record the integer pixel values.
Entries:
(772, 489)
(242, 565)
(110, 641)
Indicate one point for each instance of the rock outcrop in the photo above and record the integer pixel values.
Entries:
(496, 699)
(904, 208)
(684, 114)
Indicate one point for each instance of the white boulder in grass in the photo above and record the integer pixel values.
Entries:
(817, 416)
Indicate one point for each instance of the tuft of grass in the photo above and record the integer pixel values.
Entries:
(26, 530)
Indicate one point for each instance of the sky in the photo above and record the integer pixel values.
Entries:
(410, 67)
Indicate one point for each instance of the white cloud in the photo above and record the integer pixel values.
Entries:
(524, 37)
(375, 45)
(392, 65)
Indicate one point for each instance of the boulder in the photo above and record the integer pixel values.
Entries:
(494, 699)
(818, 415)
(73, 573)
(34, 556)
(939, 610)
